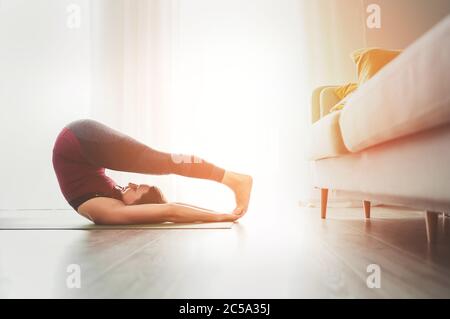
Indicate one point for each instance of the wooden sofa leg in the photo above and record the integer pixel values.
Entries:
(431, 222)
(366, 205)
(323, 202)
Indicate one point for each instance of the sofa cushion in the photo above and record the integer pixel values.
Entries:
(326, 140)
(409, 95)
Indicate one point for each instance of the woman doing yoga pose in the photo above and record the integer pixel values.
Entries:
(85, 148)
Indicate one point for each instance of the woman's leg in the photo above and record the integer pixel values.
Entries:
(108, 148)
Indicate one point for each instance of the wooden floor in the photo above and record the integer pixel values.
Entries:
(271, 253)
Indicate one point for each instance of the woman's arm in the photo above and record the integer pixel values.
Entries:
(108, 211)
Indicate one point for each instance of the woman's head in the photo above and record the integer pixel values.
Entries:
(134, 194)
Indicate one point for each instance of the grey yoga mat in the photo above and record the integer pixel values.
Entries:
(47, 220)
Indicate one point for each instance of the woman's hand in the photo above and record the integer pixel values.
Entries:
(189, 213)
(228, 217)
(220, 217)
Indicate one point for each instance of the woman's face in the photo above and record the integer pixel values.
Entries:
(133, 192)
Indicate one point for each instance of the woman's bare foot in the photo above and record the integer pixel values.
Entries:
(241, 185)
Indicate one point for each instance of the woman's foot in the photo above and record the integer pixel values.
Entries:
(241, 185)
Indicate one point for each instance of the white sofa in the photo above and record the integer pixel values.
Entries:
(391, 142)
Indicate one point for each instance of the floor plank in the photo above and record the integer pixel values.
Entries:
(295, 255)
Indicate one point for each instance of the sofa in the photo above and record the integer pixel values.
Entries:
(391, 141)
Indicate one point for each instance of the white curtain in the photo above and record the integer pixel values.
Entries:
(229, 81)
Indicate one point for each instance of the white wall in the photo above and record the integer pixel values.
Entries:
(335, 28)
(44, 83)
(403, 21)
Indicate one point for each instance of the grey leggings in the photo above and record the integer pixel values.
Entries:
(105, 147)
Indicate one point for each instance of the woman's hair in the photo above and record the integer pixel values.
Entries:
(152, 196)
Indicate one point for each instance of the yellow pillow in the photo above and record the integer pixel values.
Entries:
(343, 92)
(371, 60)
(368, 62)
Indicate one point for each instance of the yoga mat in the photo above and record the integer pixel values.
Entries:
(37, 220)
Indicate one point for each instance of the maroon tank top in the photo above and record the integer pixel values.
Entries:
(78, 178)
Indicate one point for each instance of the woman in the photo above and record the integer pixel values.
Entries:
(85, 148)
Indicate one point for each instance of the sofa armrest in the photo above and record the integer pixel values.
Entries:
(323, 99)
(328, 99)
